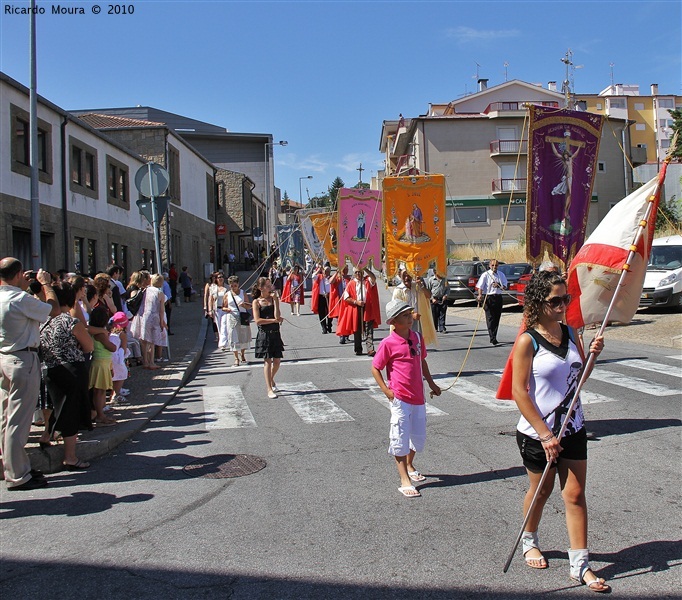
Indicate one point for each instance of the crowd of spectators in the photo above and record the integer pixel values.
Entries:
(67, 343)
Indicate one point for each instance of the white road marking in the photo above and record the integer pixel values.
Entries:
(477, 394)
(675, 357)
(634, 383)
(594, 398)
(647, 365)
(226, 408)
(310, 404)
(373, 391)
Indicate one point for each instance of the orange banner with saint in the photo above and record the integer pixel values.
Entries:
(326, 227)
(414, 223)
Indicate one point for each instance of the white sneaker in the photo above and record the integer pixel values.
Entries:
(124, 392)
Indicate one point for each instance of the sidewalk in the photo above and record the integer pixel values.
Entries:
(150, 392)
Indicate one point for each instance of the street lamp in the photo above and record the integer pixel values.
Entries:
(267, 187)
(300, 191)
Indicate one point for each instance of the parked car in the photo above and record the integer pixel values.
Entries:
(462, 277)
(514, 271)
(663, 279)
(519, 287)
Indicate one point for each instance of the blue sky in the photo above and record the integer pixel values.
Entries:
(324, 75)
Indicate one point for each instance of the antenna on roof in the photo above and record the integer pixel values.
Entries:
(611, 65)
(506, 64)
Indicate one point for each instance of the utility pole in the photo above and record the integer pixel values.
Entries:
(34, 150)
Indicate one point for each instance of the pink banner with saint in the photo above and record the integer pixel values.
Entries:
(359, 226)
(414, 215)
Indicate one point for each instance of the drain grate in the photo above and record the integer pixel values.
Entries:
(224, 466)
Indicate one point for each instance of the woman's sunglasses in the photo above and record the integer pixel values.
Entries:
(557, 301)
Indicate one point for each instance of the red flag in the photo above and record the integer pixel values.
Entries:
(595, 272)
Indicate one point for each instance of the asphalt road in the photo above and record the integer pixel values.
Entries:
(324, 518)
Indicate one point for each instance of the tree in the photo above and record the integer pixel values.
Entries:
(334, 188)
(285, 200)
(361, 186)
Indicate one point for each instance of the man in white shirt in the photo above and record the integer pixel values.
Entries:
(20, 318)
(492, 285)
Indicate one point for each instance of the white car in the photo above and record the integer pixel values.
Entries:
(663, 280)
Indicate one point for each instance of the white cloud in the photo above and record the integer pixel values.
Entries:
(308, 163)
(465, 35)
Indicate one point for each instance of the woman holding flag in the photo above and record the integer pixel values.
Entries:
(547, 364)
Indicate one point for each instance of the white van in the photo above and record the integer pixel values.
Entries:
(663, 280)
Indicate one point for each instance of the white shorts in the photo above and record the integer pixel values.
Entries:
(408, 428)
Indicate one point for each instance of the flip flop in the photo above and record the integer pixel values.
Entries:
(409, 491)
(416, 476)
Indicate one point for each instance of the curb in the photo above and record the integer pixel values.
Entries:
(101, 441)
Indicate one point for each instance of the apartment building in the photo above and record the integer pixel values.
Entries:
(651, 129)
(479, 142)
(88, 215)
(188, 235)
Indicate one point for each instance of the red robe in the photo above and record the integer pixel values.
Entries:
(296, 280)
(349, 312)
(335, 302)
(315, 294)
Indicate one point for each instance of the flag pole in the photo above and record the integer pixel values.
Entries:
(591, 358)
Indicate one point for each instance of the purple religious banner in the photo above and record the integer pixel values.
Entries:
(562, 153)
(359, 227)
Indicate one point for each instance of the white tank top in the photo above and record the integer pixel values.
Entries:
(553, 380)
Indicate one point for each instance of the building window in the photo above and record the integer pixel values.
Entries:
(599, 105)
(516, 213)
(21, 147)
(617, 103)
(83, 168)
(117, 183)
(665, 143)
(639, 106)
(92, 257)
(666, 103)
(666, 122)
(641, 146)
(471, 215)
(78, 253)
(601, 166)
(174, 172)
(640, 126)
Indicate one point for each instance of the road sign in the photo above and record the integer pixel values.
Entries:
(152, 180)
(146, 211)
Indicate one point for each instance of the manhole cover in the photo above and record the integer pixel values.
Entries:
(223, 466)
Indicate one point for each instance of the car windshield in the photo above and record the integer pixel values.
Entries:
(514, 271)
(458, 270)
(666, 258)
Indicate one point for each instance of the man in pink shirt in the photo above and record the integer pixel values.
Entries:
(403, 355)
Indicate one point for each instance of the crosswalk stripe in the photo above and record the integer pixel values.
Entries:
(311, 405)
(594, 398)
(477, 394)
(226, 408)
(646, 365)
(374, 391)
(634, 383)
(675, 357)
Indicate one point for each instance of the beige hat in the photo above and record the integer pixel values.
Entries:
(395, 308)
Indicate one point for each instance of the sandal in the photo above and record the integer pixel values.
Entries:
(580, 567)
(416, 476)
(236, 363)
(409, 491)
(106, 422)
(530, 542)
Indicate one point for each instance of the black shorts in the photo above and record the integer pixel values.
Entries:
(533, 454)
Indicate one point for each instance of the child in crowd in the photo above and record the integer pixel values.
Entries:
(403, 355)
(100, 367)
(118, 337)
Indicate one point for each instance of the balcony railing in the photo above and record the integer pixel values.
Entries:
(501, 186)
(508, 147)
(516, 106)
(405, 165)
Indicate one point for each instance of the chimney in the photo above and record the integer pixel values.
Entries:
(482, 84)
(551, 86)
(654, 89)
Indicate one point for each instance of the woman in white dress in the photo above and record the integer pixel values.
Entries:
(216, 302)
(149, 325)
(236, 302)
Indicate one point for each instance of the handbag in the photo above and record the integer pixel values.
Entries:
(244, 317)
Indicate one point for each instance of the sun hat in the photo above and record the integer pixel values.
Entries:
(120, 319)
(396, 308)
